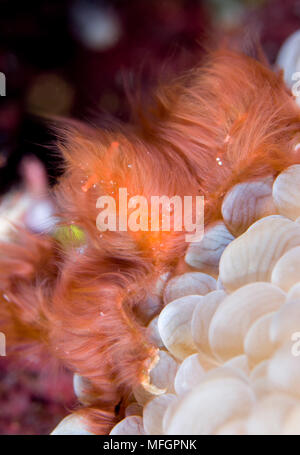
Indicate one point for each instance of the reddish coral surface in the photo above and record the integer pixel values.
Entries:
(32, 400)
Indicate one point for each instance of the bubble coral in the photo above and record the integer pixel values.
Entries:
(228, 121)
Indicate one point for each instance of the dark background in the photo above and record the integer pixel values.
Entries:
(71, 58)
